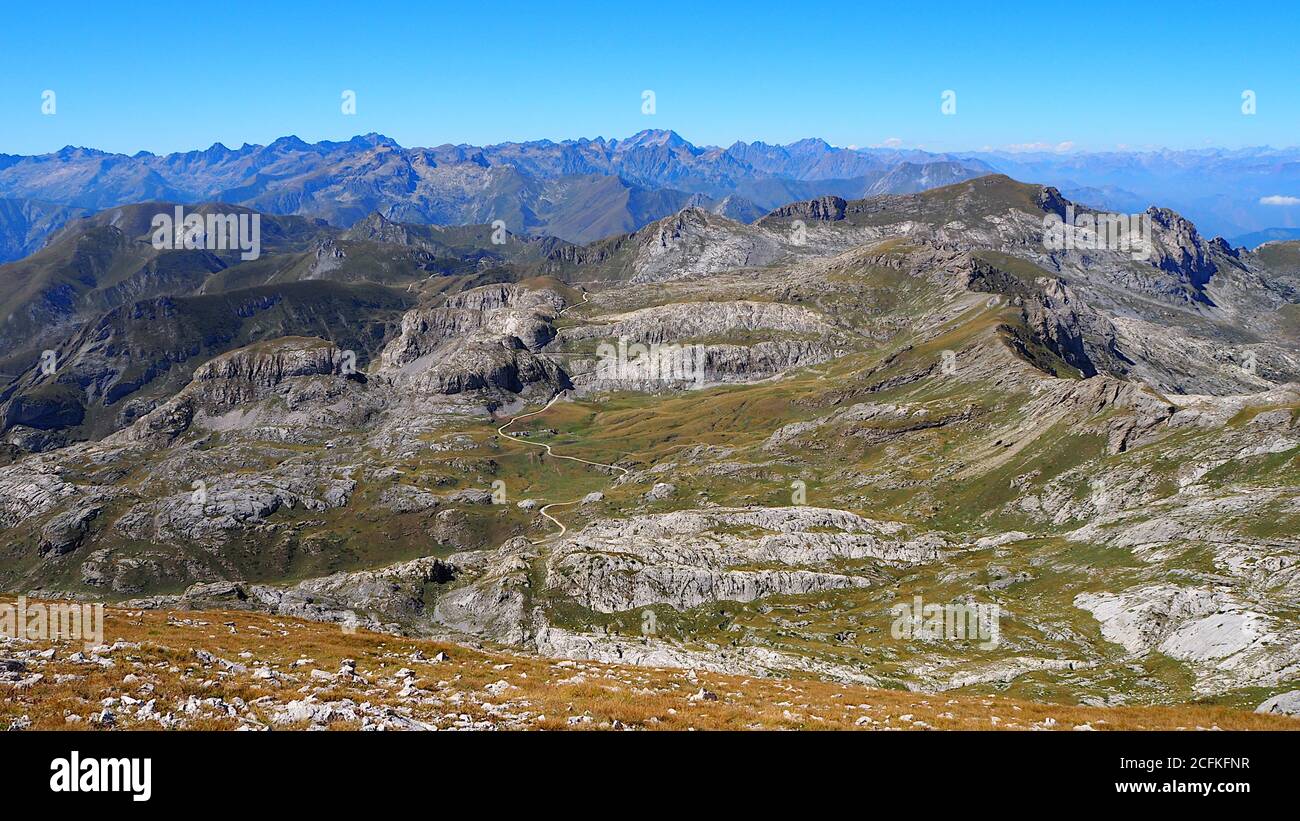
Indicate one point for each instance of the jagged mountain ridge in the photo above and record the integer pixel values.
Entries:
(1228, 318)
(580, 190)
(124, 317)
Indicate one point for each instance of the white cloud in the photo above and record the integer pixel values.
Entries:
(1277, 199)
(1059, 148)
(892, 142)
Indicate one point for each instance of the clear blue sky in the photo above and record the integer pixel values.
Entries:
(176, 76)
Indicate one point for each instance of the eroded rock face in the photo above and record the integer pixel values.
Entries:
(687, 558)
(696, 366)
(64, 532)
(1082, 337)
(496, 603)
(241, 377)
(474, 364)
(1179, 249)
(231, 504)
(825, 209)
(1226, 641)
(685, 345)
(30, 488)
(694, 241)
(237, 376)
(494, 310)
(700, 320)
(485, 339)
(388, 598)
(403, 498)
(789, 435)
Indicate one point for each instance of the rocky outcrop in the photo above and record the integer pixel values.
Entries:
(822, 209)
(478, 365)
(483, 340)
(219, 507)
(1179, 249)
(681, 321)
(683, 345)
(1071, 329)
(496, 602)
(787, 435)
(31, 488)
(695, 242)
(493, 311)
(646, 652)
(696, 366)
(1229, 644)
(1287, 704)
(390, 598)
(64, 532)
(248, 374)
(1128, 414)
(241, 377)
(687, 558)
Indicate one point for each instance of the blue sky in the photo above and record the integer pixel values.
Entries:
(1083, 76)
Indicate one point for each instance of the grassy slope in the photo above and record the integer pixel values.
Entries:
(540, 694)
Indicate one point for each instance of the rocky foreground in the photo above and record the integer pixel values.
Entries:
(202, 670)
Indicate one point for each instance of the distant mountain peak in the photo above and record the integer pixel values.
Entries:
(70, 151)
(291, 141)
(655, 137)
(374, 138)
(816, 143)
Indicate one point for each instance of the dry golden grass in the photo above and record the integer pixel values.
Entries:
(544, 693)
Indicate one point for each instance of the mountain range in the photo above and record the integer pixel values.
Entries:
(578, 190)
(586, 189)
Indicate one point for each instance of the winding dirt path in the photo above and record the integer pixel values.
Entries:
(501, 431)
(586, 295)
